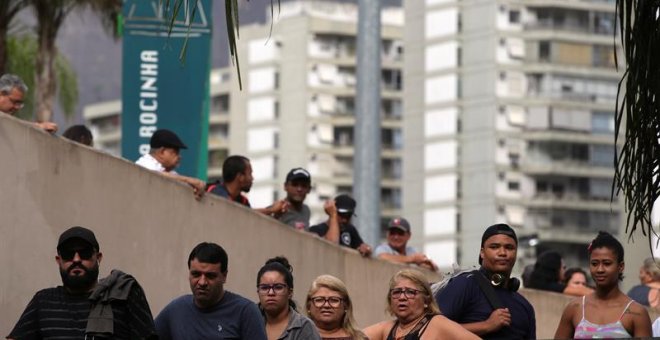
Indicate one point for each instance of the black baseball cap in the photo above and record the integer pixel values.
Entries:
(78, 233)
(399, 223)
(164, 138)
(345, 204)
(298, 173)
(497, 229)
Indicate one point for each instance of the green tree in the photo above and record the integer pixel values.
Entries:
(8, 10)
(638, 113)
(50, 16)
(22, 51)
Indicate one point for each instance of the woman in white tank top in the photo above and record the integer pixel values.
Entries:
(608, 312)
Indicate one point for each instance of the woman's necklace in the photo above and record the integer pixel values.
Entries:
(408, 328)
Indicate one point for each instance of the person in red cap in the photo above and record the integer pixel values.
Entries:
(397, 250)
(164, 157)
(83, 307)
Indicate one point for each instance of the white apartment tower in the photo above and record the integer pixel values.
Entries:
(297, 105)
(512, 103)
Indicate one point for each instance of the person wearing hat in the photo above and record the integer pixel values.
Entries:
(297, 185)
(338, 227)
(463, 300)
(164, 157)
(397, 250)
(79, 308)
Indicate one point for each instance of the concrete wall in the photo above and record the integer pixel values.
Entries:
(147, 225)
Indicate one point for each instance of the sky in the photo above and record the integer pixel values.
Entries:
(96, 57)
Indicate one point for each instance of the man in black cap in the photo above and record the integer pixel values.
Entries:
(397, 250)
(164, 157)
(463, 300)
(297, 185)
(338, 228)
(114, 307)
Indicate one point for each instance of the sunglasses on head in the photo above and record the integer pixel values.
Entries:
(83, 253)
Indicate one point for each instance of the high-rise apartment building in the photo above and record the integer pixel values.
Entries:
(512, 106)
(297, 104)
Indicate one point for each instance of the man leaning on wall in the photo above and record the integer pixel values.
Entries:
(12, 99)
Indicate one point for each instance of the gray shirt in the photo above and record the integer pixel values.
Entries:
(234, 317)
(296, 219)
(386, 249)
(299, 328)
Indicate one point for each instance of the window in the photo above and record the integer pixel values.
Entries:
(514, 16)
(514, 186)
(544, 51)
(602, 122)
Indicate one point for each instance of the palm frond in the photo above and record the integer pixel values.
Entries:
(232, 21)
(638, 113)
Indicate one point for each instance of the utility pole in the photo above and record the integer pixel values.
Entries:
(367, 132)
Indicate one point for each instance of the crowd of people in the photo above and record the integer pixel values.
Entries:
(483, 303)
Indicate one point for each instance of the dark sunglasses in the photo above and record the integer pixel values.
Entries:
(83, 253)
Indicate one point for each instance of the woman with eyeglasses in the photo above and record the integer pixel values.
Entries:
(275, 289)
(330, 307)
(416, 313)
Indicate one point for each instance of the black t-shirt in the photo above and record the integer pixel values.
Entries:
(53, 313)
(348, 234)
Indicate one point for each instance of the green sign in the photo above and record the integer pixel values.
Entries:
(159, 90)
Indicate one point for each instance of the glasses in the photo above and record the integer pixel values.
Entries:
(278, 288)
(409, 293)
(83, 253)
(333, 301)
(16, 102)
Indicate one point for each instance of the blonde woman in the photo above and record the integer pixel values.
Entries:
(331, 310)
(417, 316)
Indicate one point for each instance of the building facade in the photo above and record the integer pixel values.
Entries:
(296, 107)
(512, 103)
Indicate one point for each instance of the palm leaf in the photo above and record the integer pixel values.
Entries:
(638, 113)
(232, 21)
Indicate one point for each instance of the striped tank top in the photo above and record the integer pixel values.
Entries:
(590, 330)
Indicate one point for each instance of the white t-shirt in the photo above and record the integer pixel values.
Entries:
(149, 162)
